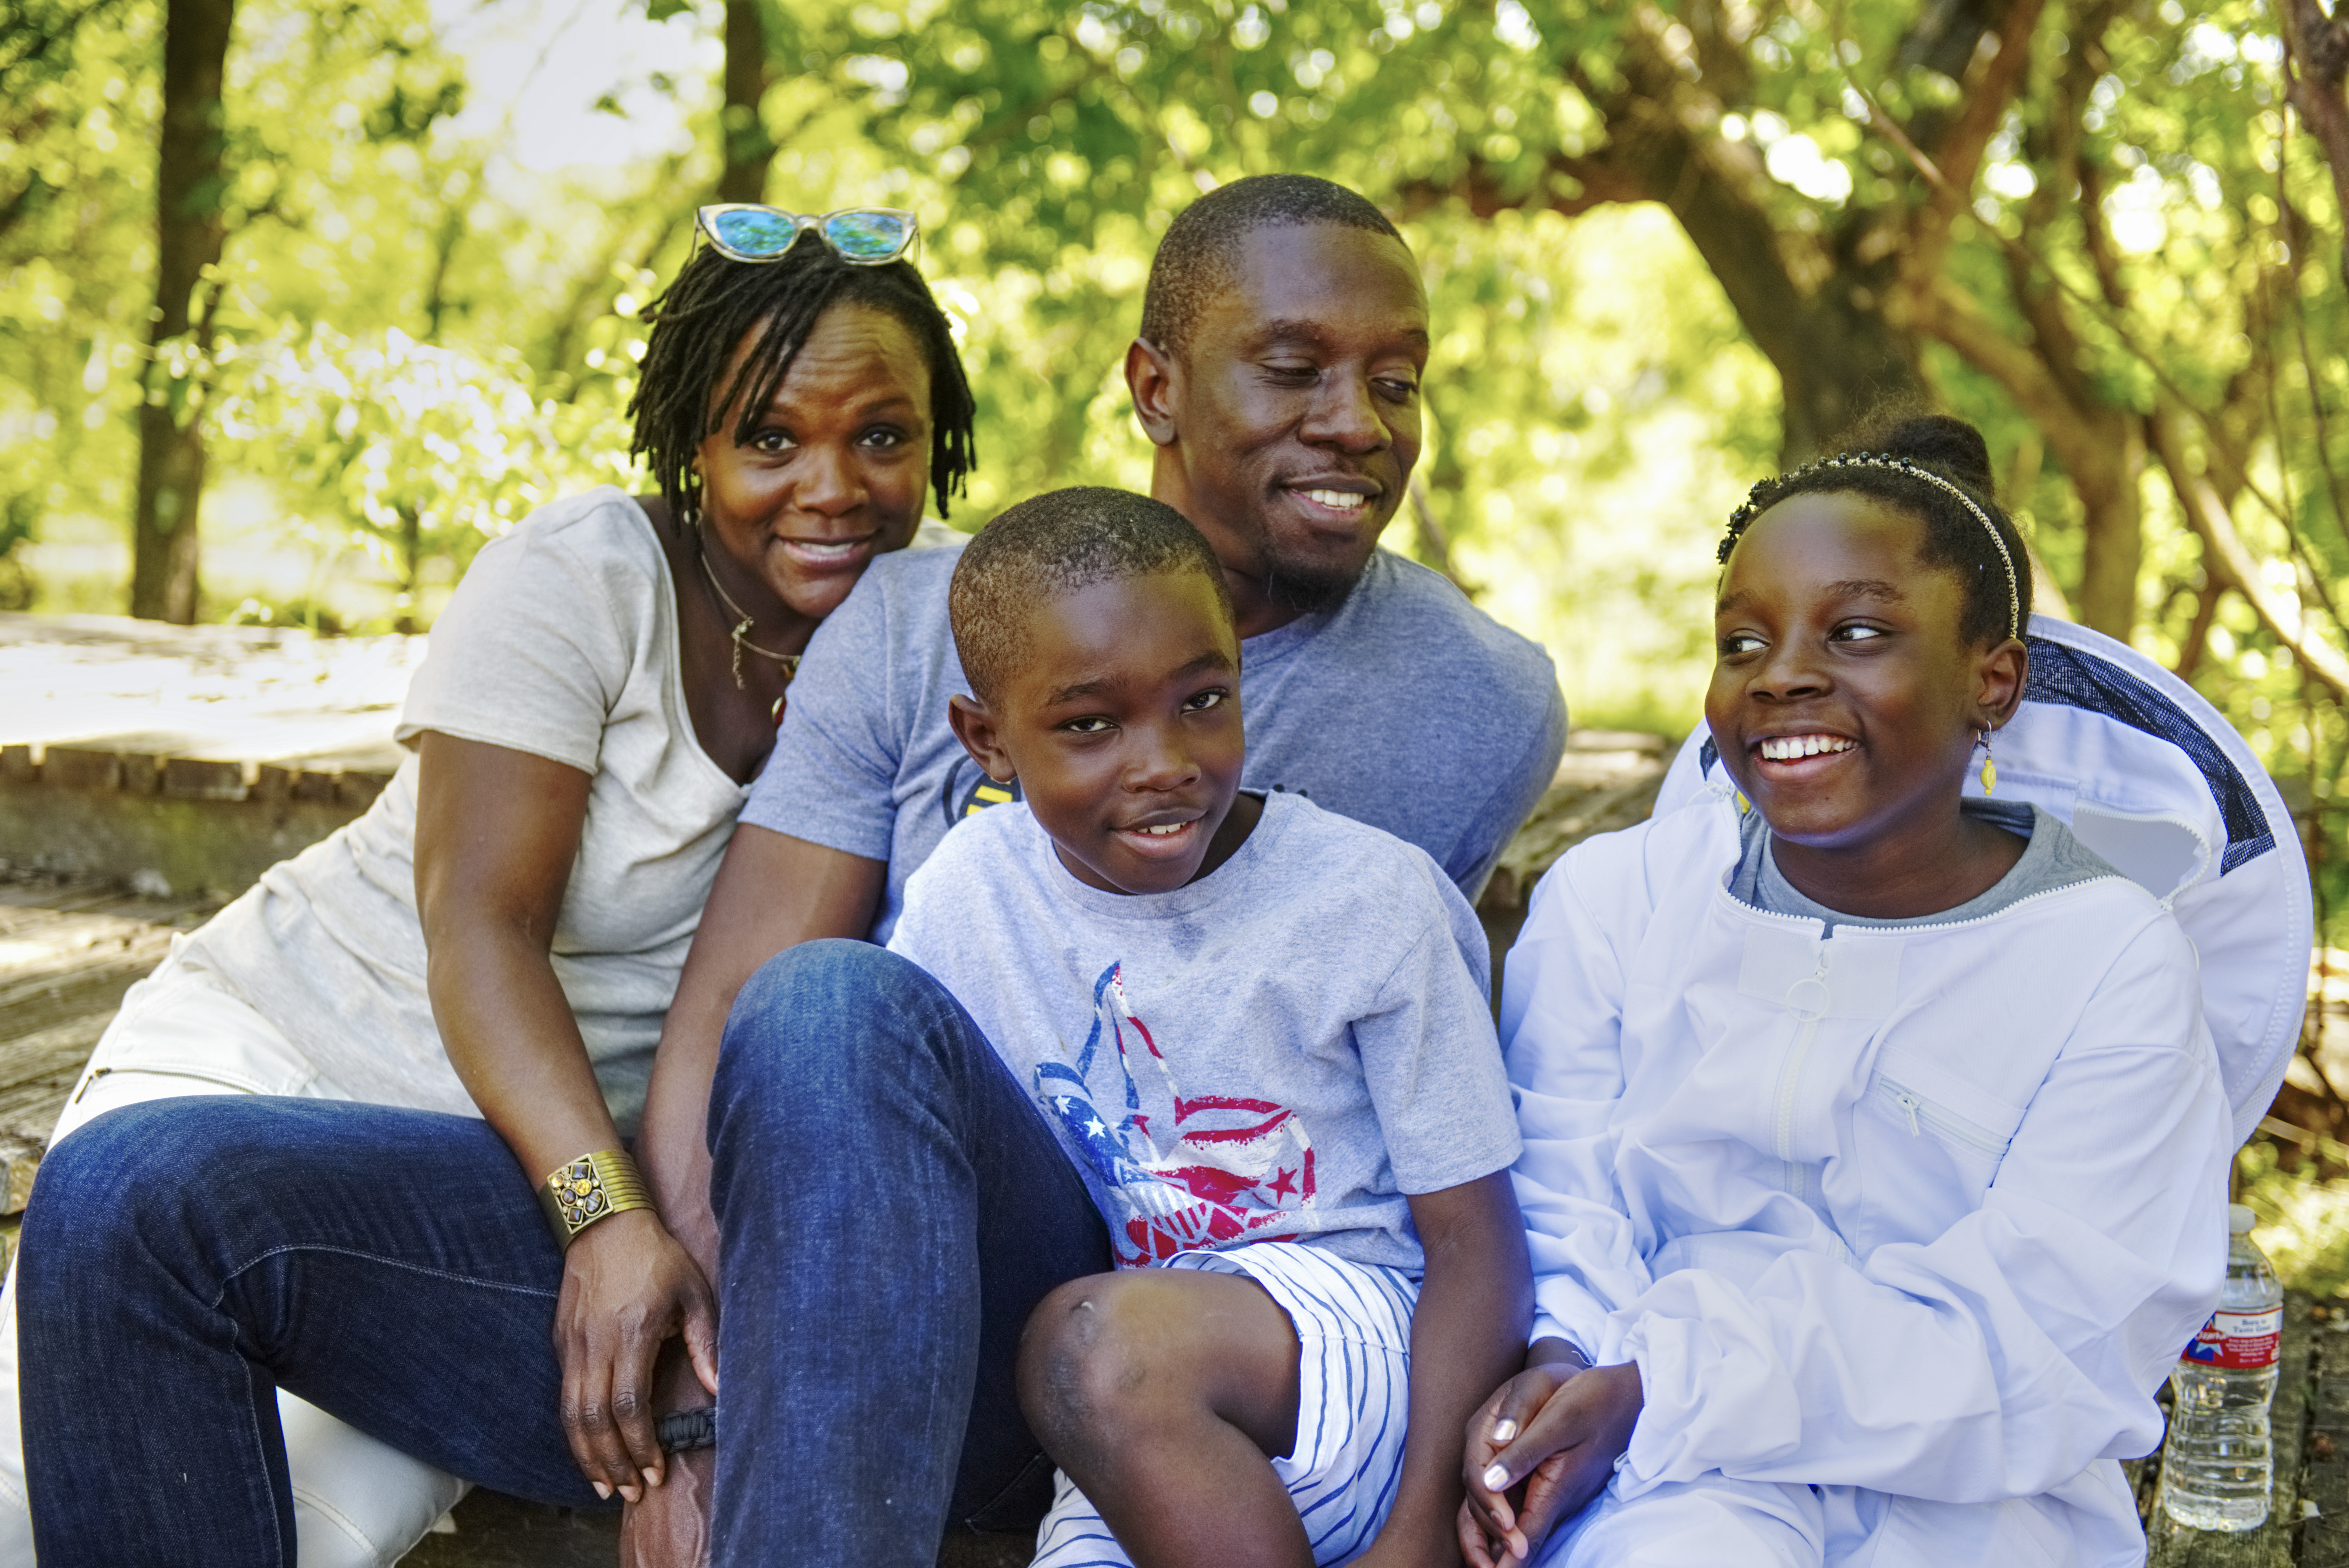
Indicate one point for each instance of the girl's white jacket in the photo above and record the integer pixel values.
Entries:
(1925, 1212)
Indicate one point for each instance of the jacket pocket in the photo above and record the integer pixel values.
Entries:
(1921, 1116)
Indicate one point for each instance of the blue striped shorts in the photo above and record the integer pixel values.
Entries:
(1353, 1396)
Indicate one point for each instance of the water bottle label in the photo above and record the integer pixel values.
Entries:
(2238, 1341)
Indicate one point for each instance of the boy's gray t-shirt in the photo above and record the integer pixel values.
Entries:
(1406, 707)
(1280, 1051)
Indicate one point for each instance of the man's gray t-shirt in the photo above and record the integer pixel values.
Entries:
(1406, 707)
(2052, 859)
(1280, 1051)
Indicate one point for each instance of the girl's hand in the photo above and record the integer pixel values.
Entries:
(627, 1288)
(1557, 1430)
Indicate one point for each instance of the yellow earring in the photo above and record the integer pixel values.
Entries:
(1990, 766)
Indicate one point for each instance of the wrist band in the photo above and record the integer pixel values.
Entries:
(591, 1188)
(682, 1430)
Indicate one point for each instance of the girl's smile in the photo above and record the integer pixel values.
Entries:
(1787, 753)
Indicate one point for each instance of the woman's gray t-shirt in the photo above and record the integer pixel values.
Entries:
(559, 642)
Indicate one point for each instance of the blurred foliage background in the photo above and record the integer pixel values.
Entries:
(289, 325)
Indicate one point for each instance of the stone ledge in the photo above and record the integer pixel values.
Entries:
(170, 825)
(351, 781)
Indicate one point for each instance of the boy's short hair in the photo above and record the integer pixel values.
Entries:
(1054, 544)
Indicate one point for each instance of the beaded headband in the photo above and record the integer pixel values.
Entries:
(1755, 505)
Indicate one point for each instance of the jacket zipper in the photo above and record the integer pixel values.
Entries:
(1921, 1114)
(1790, 1077)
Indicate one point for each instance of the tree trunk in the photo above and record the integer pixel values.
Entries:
(1836, 355)
(411, 568)
(189, 182)
(2316, 64)
(742, 130)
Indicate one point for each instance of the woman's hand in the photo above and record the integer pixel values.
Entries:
(1557, 1429)
(627, 1289)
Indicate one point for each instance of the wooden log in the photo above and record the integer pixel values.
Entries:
(20, 1160)
(2324, 1481)
(79, 767)
(203, 778)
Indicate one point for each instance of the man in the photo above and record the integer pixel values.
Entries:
(1283, 339)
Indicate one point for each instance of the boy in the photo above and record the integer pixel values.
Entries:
(1248, 1021)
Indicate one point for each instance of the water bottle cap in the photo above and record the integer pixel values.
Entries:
(2240, 1218)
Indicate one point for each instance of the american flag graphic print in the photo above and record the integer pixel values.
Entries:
(1202, 1173)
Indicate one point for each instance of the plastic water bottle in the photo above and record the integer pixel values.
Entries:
(2217, 1469)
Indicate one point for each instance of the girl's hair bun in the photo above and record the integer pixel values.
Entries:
(1949, 444)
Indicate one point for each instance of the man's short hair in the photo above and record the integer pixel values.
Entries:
(1053, 545)
(1197, 258)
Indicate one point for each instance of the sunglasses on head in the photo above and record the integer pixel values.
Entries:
(861, 236)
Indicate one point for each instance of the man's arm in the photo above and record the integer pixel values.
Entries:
(1467, 1336)
(1512, 799)
(773, 892)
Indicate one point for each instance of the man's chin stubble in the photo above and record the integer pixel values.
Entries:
(1307, 590)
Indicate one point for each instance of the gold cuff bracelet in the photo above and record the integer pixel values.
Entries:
(591, 1188)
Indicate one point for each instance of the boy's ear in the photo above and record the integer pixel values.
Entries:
(1154, 380)
(975, 727)
(2005, 670)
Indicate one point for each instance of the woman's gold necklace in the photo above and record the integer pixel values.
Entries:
(742, 634)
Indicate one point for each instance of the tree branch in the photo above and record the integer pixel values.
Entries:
(1992, 78)
(2227, 560)
(1947, 313)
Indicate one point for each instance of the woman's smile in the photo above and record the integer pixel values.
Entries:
(817, 557)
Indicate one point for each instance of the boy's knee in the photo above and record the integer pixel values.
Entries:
(1086, 1362)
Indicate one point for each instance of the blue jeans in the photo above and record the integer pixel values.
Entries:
(891, 1207)
(185, 1257)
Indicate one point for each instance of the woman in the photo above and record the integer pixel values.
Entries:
(500, 934)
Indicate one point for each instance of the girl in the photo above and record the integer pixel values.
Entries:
(1875, 1141)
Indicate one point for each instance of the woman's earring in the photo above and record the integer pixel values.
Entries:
(1990, 766)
